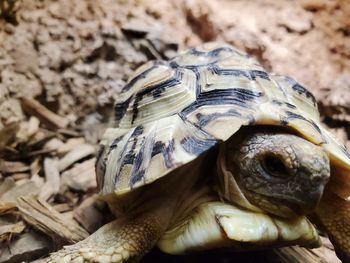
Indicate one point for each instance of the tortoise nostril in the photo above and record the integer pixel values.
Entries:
(319, 178)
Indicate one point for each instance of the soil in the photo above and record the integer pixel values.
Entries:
(73, 57)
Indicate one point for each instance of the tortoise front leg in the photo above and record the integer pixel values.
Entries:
(118, 241)
(333, 213)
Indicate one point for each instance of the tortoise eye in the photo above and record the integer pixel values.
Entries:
(274, 166)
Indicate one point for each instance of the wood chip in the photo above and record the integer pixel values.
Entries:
(88, 215)
(39, 152)
(62, 207)
(45, 218)
(27, 129)
(53, 144)
(52, 175)
(7, 167)
(29, 187)
(40, 137)
(10, 229)
(48, 117)
(7, 133)
(6, 184)
(6, 207)
(20, 176)
(326, 251)
(28, 247)
(136, 28)
(81, 177)
(33, 125)
(35, 168)
(71, 144)
(78, 153)
(301, 255)
(71, 133)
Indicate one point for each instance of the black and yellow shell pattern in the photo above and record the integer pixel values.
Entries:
(172, 111)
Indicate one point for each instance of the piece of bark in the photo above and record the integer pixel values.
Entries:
(29, 246)
(46, 116)
(52, 175)
(81, 177)
(78, 153)
(88, 215)
(7, 167)
(45, 218)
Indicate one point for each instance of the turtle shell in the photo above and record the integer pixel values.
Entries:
(172, 111)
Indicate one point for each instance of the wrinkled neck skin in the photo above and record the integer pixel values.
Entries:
(272, 171)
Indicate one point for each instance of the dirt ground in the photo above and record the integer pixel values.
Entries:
(62, 64)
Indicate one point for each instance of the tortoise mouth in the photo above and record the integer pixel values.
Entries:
(279, 206)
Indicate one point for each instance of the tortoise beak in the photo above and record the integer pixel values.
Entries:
(309, 201)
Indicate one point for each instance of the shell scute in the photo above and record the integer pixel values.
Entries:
(168, 90)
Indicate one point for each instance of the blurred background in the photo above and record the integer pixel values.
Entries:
(62, 64)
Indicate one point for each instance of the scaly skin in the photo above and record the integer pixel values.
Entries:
(118, 241)
(333, 213)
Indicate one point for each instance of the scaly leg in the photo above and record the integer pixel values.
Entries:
(333, 213)
(119, 241)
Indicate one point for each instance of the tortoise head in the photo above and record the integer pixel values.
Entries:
(278, 172)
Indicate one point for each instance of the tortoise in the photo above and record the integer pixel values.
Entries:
(209, 150)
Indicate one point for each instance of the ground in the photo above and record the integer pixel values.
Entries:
(63, 63)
